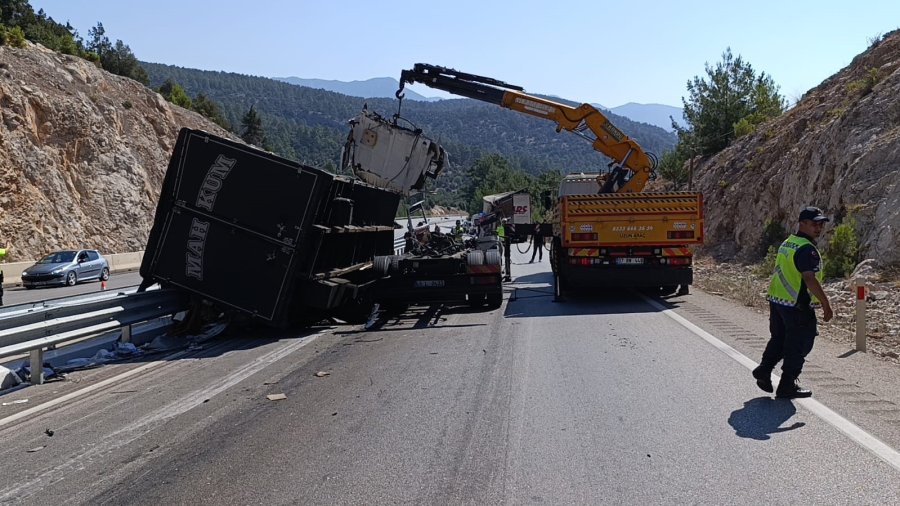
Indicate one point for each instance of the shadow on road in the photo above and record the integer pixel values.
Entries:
(763, 416)
(532, 296)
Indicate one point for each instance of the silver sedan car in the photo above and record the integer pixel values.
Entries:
(66, 268)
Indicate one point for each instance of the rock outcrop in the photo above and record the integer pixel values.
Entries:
(837, 148)
(82, 154)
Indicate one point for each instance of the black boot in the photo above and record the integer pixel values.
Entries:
(789, 388)
(763, 379)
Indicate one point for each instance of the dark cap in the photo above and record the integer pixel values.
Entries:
(813, 213)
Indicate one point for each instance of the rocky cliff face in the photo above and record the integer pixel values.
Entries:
(838, 148)
(82, 154)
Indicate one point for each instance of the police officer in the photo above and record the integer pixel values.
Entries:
(795, 289)
(537, 240)
(458, 230)
(503, 233)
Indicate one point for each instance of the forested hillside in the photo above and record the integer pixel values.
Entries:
(309, 125)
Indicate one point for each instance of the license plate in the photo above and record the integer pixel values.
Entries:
(429, 283)
(629, 261)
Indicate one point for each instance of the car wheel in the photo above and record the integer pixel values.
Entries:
(104, 274)
(71, 278)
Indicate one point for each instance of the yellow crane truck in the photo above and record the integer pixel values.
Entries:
(607, 232)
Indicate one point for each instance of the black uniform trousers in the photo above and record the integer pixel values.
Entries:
(793, 331)
(507, 252)
(537, 242)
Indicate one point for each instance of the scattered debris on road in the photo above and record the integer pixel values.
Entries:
(276, 397)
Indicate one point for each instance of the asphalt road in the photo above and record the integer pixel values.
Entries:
(19, 295)
(603, 399)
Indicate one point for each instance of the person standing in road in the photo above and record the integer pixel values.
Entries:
(537, 242)
(458, 230)
(503, 233)
(794, 291)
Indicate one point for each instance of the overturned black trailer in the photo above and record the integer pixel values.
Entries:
(272, 238)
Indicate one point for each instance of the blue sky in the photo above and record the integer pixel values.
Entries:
(594, 51)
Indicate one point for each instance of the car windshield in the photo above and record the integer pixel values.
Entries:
(60, 257)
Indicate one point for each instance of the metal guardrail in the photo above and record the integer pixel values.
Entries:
(34, 331)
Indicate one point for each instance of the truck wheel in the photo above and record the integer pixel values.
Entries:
(492, 257)
(494, 300)
(476, 299)
(395, 263)
(475, 257)
(381, 264)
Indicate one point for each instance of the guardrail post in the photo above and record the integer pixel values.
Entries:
(126, 334)
(36, 360)
(860, 315)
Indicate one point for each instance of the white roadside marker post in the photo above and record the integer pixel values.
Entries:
(861, 315)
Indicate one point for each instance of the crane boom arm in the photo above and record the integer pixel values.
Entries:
(627, 154)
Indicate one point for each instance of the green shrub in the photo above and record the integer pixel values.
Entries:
(864, 85)
(127, 104)
(842, 252)
(3, 34)
(743, 127)
(15, 37)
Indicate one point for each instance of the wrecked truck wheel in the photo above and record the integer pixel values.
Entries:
(492, 257)
(475, 257)
(381, 264)
(355, 311)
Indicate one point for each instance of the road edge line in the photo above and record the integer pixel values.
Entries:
(871, 443)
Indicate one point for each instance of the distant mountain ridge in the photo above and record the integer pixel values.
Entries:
(381, 87)
(385, 87)
(653, 114)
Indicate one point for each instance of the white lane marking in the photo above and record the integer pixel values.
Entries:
(851, 430)
(84, 391)
(87, 390)
(127, 434)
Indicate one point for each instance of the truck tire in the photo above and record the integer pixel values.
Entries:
(492, 257)
(555, 255)
(494, 300)
(381, 264)
(475, 257)
(476, 299)
(395, 263)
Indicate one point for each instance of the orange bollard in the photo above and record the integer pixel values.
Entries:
(102, 284)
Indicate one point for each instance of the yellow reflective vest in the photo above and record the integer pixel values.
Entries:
(784, 288)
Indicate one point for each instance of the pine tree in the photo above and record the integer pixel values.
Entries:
(205, 106)
(733, 99)
(252, 129)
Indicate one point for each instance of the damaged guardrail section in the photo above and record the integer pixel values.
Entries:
(35, 331)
